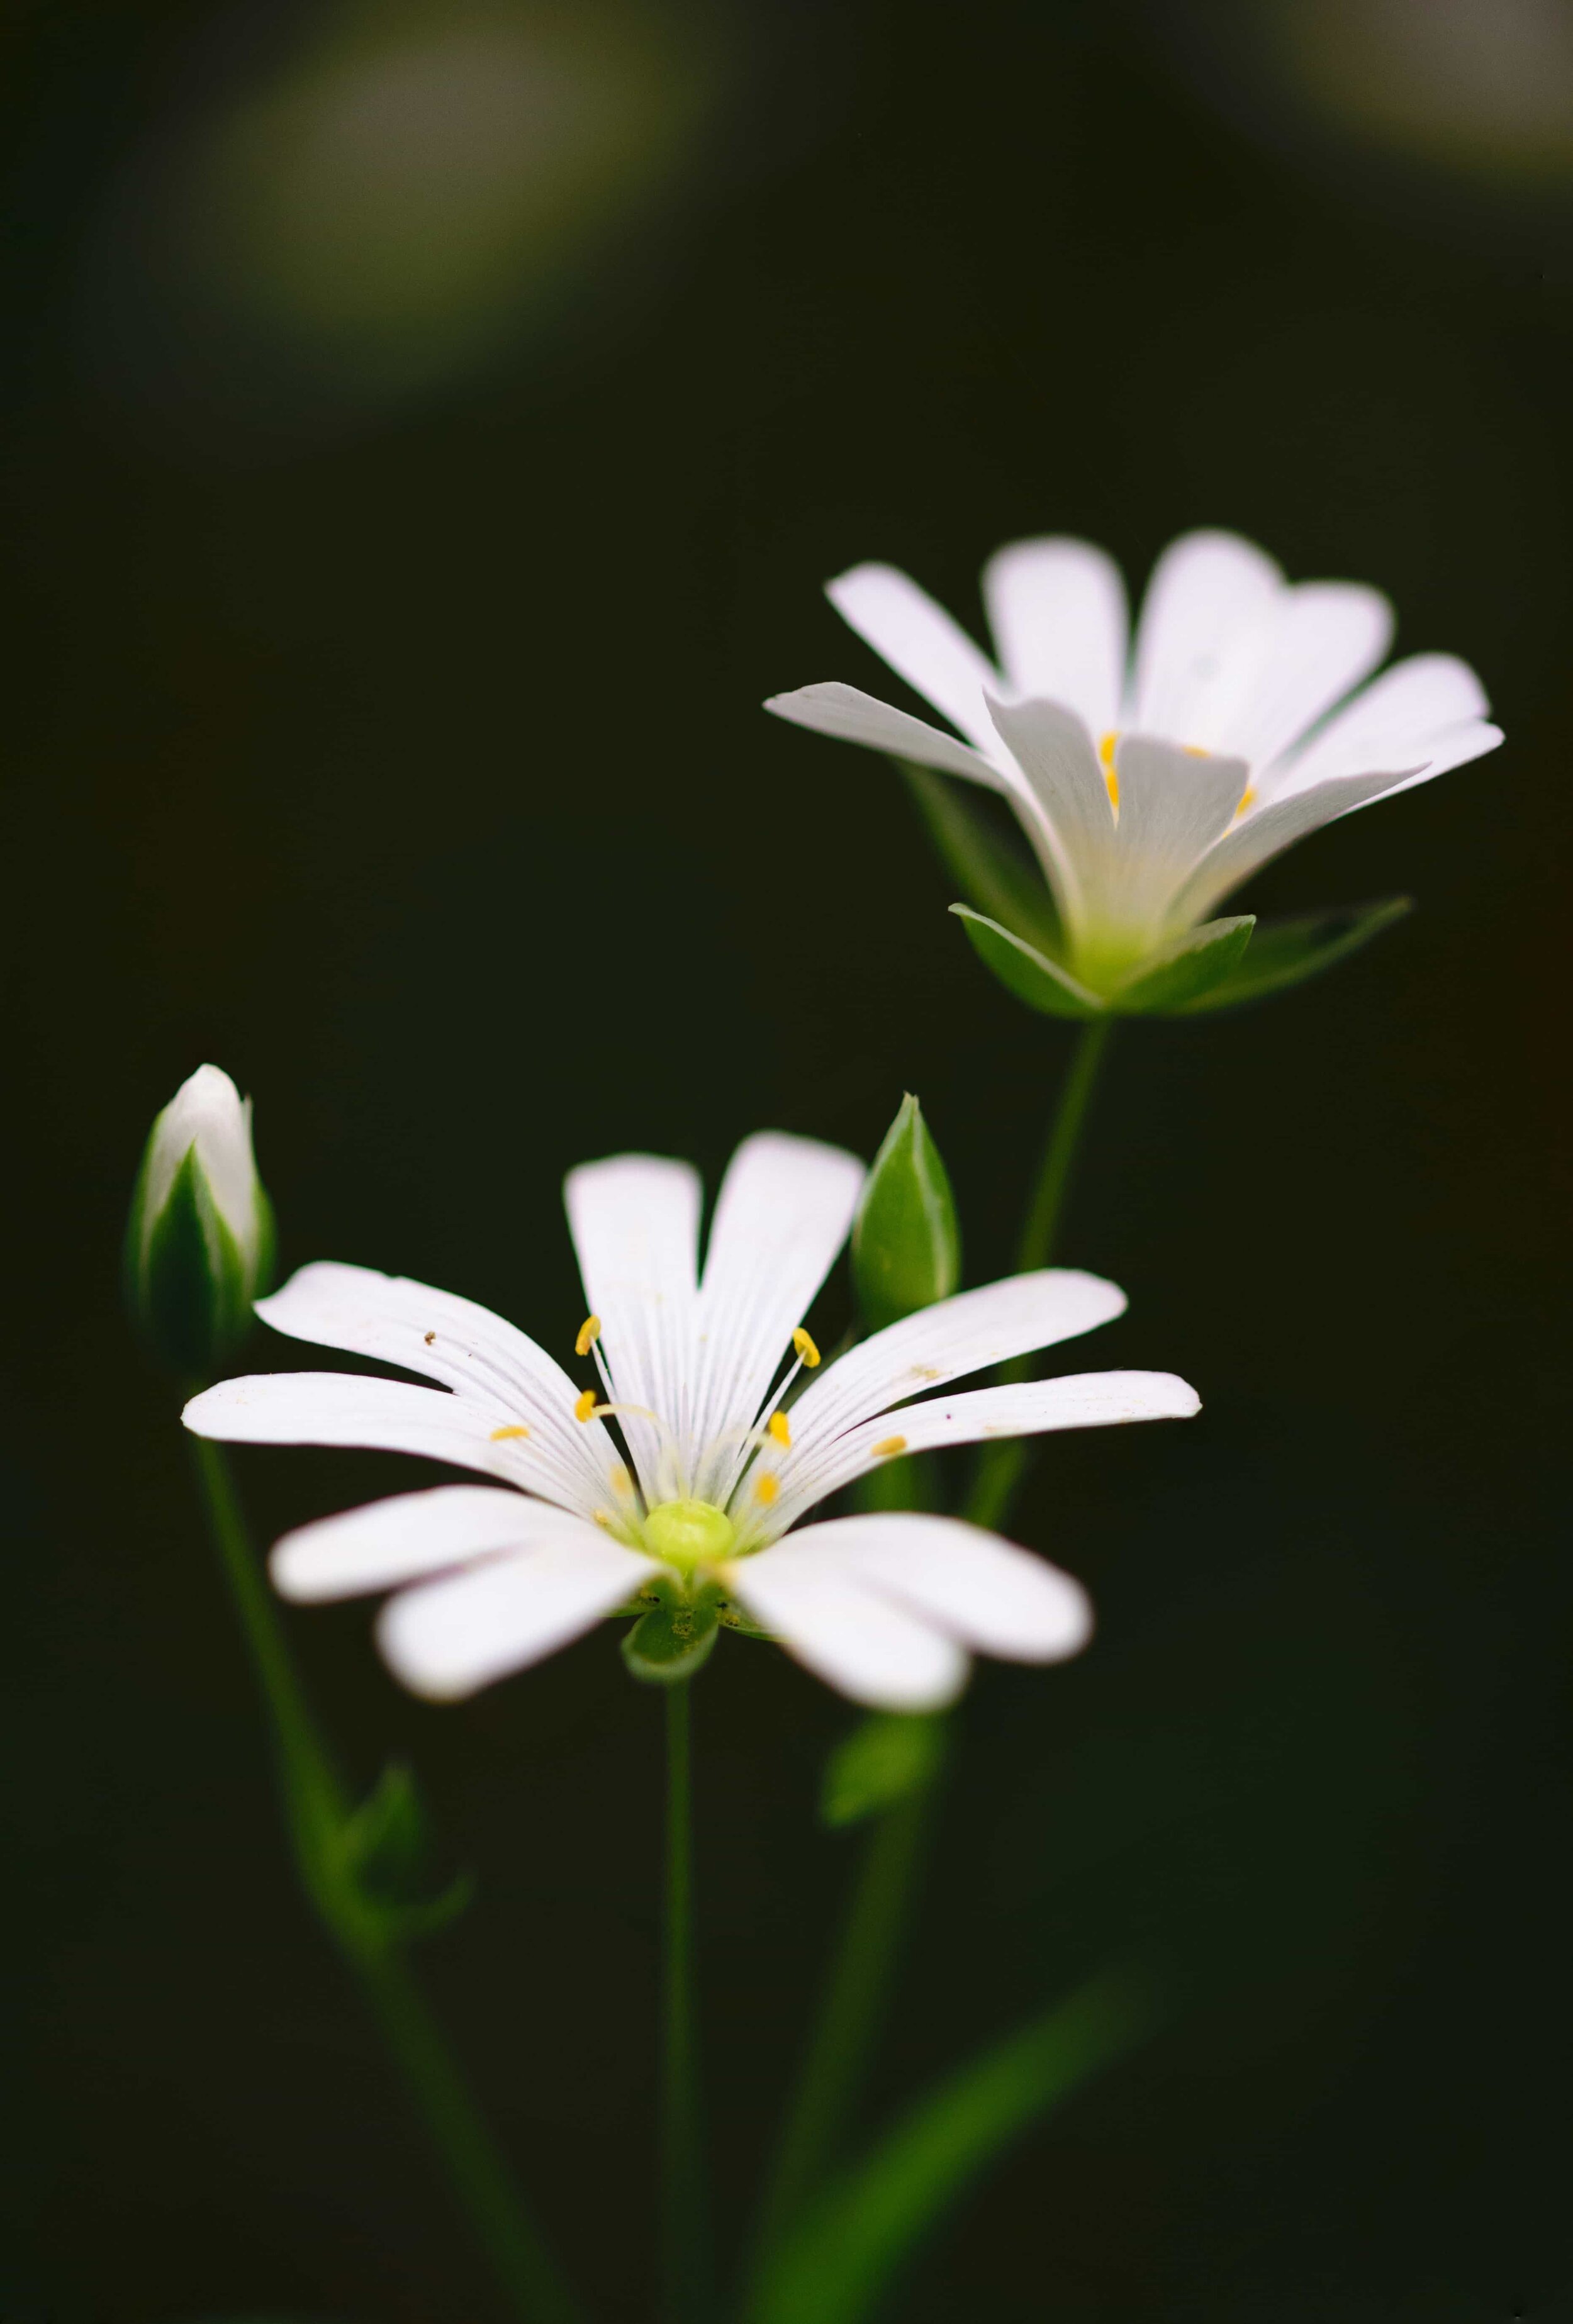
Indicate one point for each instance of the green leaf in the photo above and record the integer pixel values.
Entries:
(1286, 951)
(995, 877)
(836, 2264)
(906, 1246)
(673, 1641)
(1179, 973)
(386, 1849)
(1025, 971)
(886, 1758)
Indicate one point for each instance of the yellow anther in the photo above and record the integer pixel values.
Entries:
(1247, 799)
(622, 1482)
(603, 1518)
(777, 1425)
(518, 1429)
(589, 1332)
(807, 1352)
(767, 1489)
(888, 1446)
(585, 1405)
(1195, 750)
(1106, 751)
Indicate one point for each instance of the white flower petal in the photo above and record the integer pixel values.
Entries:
(1389, 723)
(1267, 832)
(449, 1637)
(784, 1210)
(635, 1225)
(858, 1641)
(967, 1333)
(920, 641)
(1321, 638)
(1173, 806)
(486, 1361)
(397, 1540)
(1055, 753)
(985, 1592)
(1455, 746)
(1057, 607)
(383, 1416)
(1199, 634)
(1024, 1408)
(853, 716)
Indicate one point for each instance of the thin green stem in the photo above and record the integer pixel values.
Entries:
(684, 2222)
(1003, 1465)
(851, 2016)
(859, 1984)
(316, 1803)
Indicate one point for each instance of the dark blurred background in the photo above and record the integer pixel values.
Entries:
(426, 427)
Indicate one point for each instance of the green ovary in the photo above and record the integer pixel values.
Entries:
(687, 1534)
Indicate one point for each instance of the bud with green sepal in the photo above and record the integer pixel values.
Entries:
(386, 1851)
(906, 1244)
(890, 1757)
(200, 1242)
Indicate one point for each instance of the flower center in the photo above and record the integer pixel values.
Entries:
(685, 1533)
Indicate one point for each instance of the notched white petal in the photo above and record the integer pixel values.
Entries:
(446, 1640)
(390, 1541)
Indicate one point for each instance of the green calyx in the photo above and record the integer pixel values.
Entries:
(688, 1534)
(189, 1284)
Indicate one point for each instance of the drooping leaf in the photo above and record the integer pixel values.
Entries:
(1287, 952)
(995, 876)
(906, 1245)
(836, 2265)
(386, 1849)
(1180, 974)
(1026, 972)
(888, 1756)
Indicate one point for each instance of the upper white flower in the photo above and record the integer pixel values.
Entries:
(713, 1473)
(1151, 782)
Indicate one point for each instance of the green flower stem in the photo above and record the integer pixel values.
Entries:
(1003, 1465)
(316, 1804)
(685, 2227)
(860, 1980)
(850, 2017)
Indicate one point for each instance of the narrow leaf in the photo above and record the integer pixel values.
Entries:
(995, 876)
(1286, 951)
(1180, 972)
(835, 2266)
(1025, 971)
(887, 1758)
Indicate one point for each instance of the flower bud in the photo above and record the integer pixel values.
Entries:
(906, 1246)
(199, 1242)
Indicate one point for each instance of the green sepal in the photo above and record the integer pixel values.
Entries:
(1025, 970)
(1287, 952)
(995, 877)
(1179, 974)
(906, 1245)
(673, 1640)
(891, 1755)
(187, 1287)
(386, 1851)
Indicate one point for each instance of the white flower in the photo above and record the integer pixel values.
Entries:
(713, 1473)
(1151, 785)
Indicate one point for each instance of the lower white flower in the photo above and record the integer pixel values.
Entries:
(1151, 782)
(707, 1490)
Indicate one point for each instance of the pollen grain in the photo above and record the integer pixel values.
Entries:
(516, 1429)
